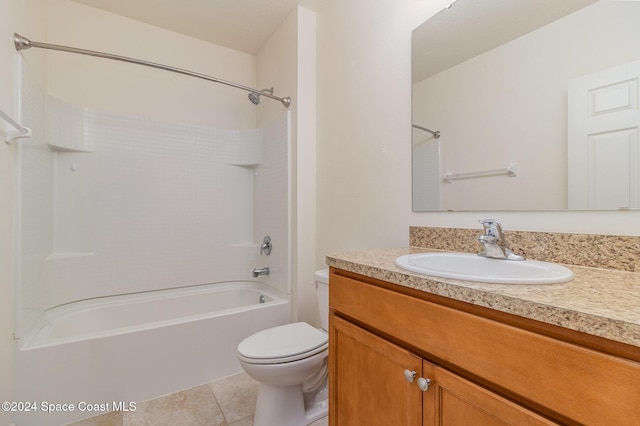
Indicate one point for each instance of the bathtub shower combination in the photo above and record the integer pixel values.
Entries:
(131, 348)
(136, 244)
(135, 313)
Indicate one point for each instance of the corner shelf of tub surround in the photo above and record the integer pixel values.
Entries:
(69, 255)
(59, 262)
(12, 130)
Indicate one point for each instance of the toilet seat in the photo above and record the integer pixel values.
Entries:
(286, 343)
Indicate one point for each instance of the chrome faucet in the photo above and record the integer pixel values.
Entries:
(494, 243)
(260, 271)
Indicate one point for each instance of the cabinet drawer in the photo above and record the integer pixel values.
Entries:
(565, 381)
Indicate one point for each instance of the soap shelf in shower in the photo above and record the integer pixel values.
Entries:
(14, 130)
(511, 170)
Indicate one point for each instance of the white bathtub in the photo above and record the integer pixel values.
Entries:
(111, 351)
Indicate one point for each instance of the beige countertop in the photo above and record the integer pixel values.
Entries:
(601, 302)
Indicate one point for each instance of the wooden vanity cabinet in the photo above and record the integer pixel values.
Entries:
(370, 388)
(481, 371)
(369, 382)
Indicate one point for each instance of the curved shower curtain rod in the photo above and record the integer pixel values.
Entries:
(23, 43)
(435, 134)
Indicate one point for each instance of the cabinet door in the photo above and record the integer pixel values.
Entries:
(452, 400)
(367, 384)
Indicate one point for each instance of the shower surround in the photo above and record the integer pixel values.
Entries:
(111, 204)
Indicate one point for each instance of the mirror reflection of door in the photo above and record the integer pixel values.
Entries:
(603, 138)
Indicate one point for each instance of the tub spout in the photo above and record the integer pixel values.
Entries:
(260, 271)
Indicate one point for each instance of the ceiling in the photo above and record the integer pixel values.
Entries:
(245, 25)
(242, 25)
(470, 27)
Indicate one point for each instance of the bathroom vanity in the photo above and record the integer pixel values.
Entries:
(408, 349)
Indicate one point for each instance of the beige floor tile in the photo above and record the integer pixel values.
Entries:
(321, 422)
(230, 401)
(192, 407)
(247, 421)
(236, 395)
(114, 418)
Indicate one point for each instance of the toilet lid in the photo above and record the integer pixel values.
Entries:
(283, 343)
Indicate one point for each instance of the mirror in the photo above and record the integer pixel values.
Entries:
(492, 77)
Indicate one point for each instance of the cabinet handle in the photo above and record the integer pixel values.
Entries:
(424, 384)
(409, 375)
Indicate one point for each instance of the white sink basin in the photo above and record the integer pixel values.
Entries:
(471, 267)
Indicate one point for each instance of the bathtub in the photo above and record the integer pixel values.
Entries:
(116, 351)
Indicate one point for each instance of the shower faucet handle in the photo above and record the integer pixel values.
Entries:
(266, 246)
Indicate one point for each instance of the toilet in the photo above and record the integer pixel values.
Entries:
(290, 362)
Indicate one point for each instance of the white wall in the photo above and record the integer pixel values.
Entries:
(138, 90)
(364, 122)
(287, 61)
(305, 170)
(364, 136)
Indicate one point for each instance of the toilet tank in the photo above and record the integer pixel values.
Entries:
(322, 296)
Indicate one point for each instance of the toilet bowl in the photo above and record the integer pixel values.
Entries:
(290, 363)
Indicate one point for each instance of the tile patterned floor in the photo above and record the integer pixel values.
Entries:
(229, 401)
